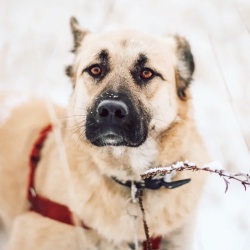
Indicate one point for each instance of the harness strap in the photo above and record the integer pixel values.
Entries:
(38, 203)
(35, 157)
(155, 243)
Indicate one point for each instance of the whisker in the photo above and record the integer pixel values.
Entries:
(71, 116)
(160, 120)
(76, 130)
(77, 123)
(76, 127)
(77, 107)
(82, 132)
(80, 136)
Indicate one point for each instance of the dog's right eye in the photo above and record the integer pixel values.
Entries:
(147, 74)
(95, 70)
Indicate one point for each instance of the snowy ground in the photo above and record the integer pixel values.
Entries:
(34, 46)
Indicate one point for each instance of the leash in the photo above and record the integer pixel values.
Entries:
(152, 243)
(134, 200)
(147, 244)
(137, 188)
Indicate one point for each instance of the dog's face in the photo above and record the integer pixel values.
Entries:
(127, 85)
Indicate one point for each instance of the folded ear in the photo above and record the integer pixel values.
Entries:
(78, 33)
(185, 66)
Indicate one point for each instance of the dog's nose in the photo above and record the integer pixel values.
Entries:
(112, 110)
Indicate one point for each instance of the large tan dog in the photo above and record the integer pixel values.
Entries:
(130, 111)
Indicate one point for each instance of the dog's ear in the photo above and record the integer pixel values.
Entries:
(78, 33)
(69, 71)
(185, 66)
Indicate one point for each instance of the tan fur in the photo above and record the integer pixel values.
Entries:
(89, 190)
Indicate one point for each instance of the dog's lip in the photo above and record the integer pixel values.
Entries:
(109, 138)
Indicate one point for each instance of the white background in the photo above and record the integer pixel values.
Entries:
(35, 41)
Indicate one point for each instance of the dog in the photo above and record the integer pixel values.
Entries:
(130, 111)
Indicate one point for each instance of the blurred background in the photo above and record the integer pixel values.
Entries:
(35, 43)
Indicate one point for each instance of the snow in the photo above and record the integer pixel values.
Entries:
(178, 165)
(35, 41)
(213, 166)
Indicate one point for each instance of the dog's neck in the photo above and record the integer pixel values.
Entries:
(129, 163)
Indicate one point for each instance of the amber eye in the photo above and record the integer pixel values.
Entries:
(95, 70)
(147, 74)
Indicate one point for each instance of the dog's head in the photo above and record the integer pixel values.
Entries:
(127, 85)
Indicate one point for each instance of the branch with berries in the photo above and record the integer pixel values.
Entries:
(213, 168)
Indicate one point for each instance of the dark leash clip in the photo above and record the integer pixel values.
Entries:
(156, 184)
(175, 184)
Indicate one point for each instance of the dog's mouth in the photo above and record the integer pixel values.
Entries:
(108, 137)
(116, 122)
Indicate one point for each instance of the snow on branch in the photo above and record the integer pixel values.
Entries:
(214, 167)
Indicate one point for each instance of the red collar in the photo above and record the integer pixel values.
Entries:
(51, 209)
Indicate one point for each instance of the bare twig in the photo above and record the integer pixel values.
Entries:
(243, 178)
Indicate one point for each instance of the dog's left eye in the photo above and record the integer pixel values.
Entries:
(147, 74)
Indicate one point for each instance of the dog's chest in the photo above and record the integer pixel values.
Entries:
(107, 210)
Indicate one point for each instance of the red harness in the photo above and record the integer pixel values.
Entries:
(51, 209)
